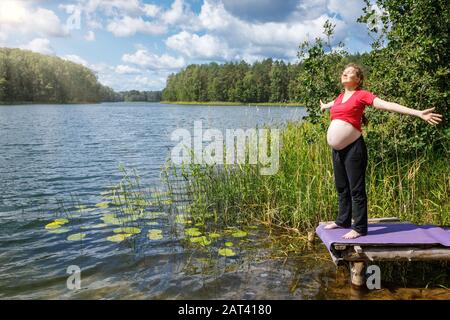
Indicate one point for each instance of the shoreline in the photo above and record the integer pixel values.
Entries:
(190, 103)
(18, 103)
(240, 104)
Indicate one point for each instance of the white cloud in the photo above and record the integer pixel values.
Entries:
(151, 10)
(21, 17)
(90, 36)
(310, 9)
(228, 37)
(216, 34)
(196, 46)
(92, 23)
(152, 61)
(122, 18)
(179, 14)
(124, 69)
(145, 83)
(350, 12)
(123, 77)
(113, 7)
(40, 45)
(213, 16)
(145, 80)
(128, 26)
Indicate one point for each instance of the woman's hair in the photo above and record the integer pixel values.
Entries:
(359, 72)
(360, 75)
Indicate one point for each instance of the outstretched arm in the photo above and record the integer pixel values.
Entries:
(426, 115)
(324, 106)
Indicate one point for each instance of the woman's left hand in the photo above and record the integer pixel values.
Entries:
(430, 117)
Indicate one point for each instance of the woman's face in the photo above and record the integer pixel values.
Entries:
(349, 78)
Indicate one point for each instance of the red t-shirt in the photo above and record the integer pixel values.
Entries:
(352, 110)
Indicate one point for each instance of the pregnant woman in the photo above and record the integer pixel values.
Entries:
(349, 149)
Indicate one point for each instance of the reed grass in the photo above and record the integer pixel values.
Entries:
(302, 192)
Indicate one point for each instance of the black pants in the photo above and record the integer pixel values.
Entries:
(350, 178)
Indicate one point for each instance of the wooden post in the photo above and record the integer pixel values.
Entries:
(357, 273)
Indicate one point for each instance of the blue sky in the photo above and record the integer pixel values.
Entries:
(136, 44)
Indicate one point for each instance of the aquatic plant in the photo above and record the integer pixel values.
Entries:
(302, 193)
(155, 234)
(76, 237)
(226, 252)
(119, 237)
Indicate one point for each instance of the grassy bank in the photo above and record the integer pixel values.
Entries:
(302, 192)
(14, 103)
(225, 103)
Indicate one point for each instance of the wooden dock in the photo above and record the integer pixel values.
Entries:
(358, 255)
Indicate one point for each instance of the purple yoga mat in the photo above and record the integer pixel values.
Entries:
(389, 234)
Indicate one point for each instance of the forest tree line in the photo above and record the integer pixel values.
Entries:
(263, 81)
(135, 96)
(30, 77)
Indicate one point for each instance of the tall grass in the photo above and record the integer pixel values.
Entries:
(302, 192)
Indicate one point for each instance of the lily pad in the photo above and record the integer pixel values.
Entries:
(226, 252)
(155, 234)
(53, 225)
(239, 234)
(119, 237)
(193, 232)
(110, 218)
(132, 230)
(228, 244)
(204, 241)
(203, 260)
(76, 237)
(152, 223)
(214, 235)
(102, 205)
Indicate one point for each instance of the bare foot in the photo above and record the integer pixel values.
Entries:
(352, 235)
(332, 225)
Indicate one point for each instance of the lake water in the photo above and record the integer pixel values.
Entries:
(55, 158)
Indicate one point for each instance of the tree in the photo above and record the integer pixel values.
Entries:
(318, 77)
(27, 76)
(411, 69)
(279, 81)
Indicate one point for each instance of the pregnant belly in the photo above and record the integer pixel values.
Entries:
(341, 133)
